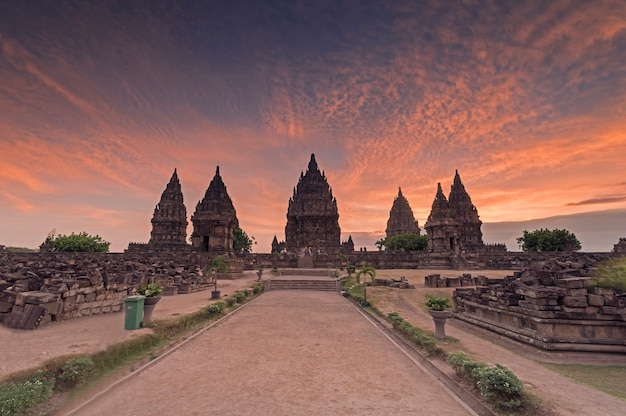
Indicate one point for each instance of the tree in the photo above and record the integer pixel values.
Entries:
(366, 271)
(406, 242)
(548, 240)
(241, 242)
(81, 242)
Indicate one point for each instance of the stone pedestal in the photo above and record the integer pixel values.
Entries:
(148, 307)
(440, 318)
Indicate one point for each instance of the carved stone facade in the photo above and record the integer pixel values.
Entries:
(453, 224)
(401, 219)
(169, 222)
(312, 215)
(215, 219)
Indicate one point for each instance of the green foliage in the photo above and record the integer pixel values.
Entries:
(498, 383)
(150, 290)
(437, 303)
(76, 371)
(548, 240)
(81, 242)
(501, 385)
(405, 242)
(413, 334)
(12, 249)
(216, 309)
(612, 274)
(239, 296)
(17, 397)
(231, 300)
(258, 288)
(241, 242)
(366, 271)
(219, 264)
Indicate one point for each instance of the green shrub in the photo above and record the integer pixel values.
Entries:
(501, 385)
(457, 360)
(246, 292)
(413, 334)
(230, 301)
(17, 397)
(215, 309)
(239, 296)
(76, 371)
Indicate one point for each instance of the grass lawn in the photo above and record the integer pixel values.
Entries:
(609, 379)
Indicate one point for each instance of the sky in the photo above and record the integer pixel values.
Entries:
(101, 100)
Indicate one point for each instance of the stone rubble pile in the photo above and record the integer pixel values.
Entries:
(37, 288)
(553, 304)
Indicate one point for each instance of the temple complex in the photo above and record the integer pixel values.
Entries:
(169, 221)
(215, 219)
(312, 215)
(453, 224)
(401, 219)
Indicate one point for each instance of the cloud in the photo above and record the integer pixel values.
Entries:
(603, 200)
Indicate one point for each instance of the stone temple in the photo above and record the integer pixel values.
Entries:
(169, 222)
(453, 224)
(215, 219)
(401, 219)
(312, 215)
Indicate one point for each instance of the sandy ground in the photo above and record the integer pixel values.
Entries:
(285, 353)
(23, 349)
(293, 337)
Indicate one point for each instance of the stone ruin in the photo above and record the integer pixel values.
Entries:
(312, 215)
(38, 288)
(401, 219)
(620, 247)
(554, 305)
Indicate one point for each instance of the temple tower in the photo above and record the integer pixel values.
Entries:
(312, 215)
(215, 219)
(453, 223)
(470, 234)
(401, 219)
(169, 222)
(441, 227)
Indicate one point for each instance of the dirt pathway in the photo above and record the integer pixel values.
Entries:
(285, 353)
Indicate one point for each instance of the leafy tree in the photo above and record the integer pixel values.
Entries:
(241, 242)
(406, 242)
(366, 271)
(219, 264)
(81, 242)
(548, 240)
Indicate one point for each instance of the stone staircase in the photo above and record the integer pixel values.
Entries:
(325, 285)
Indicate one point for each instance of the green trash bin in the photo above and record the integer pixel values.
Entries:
(134, 311)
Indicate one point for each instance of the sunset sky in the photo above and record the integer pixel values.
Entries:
(100, 101)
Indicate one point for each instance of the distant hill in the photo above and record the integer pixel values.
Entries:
(597, 231)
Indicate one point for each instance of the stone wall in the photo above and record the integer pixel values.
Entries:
(554, 305)
(40, 287)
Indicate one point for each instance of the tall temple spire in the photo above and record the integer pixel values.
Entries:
(215, 219)
(401, 219)
(169, 221)
(312, 215)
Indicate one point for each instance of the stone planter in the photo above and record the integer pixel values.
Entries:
(215, 294)
(148, 307)
(440, 318)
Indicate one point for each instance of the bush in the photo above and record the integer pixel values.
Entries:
(239, 296)
(415, 335)
(17, 397)
(76, 371)
(215, 309)
(612, 274)
(230, 301)
(81, 242)
(500, 384)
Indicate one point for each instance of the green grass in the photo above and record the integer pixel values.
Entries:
(609, 379)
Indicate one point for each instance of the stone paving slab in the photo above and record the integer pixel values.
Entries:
(284, 353)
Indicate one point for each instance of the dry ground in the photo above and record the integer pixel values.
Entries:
(562, 395)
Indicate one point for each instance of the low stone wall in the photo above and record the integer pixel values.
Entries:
(555, 306)
(40, 287)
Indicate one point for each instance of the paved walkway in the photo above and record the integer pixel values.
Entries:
(284, 353)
